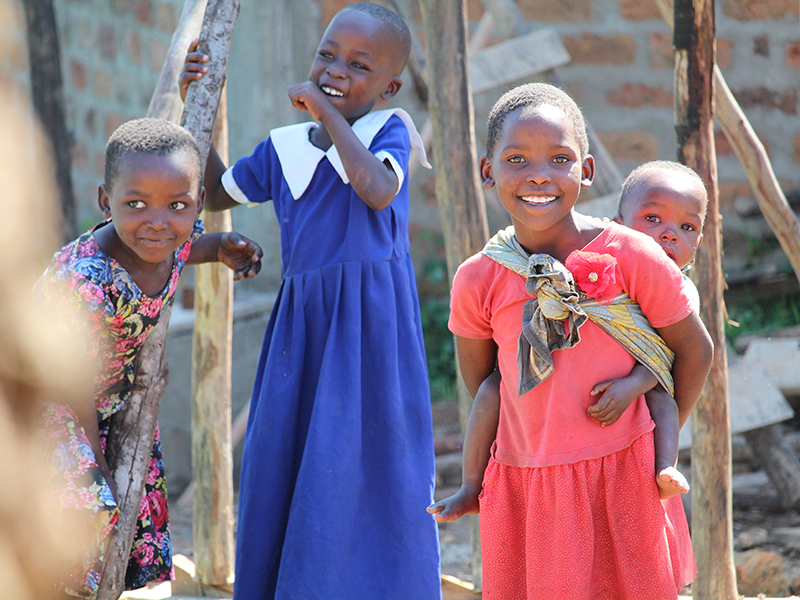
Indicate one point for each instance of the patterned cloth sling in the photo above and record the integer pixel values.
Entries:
(551, 320)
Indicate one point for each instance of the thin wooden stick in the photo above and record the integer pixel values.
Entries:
(755, 161)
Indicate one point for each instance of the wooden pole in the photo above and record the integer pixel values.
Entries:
(142, 406)
(212, 455)
(712, 518)
(128, 450)
(212, 461)
(47, 96)
(458, 189)
(757, 167)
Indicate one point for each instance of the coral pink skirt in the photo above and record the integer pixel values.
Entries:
(591, 530)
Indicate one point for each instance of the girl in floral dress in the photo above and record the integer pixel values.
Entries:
(111, 286)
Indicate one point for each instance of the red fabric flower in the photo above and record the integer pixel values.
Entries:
(595, 274)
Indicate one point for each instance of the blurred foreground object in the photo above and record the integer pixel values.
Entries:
(36, 361)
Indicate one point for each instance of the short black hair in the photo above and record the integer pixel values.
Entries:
(533, 95)
(635, 179)
(394, 23)
(148, 136)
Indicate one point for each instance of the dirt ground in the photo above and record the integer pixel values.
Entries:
(759, 521)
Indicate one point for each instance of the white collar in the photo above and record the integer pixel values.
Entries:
(299, 157)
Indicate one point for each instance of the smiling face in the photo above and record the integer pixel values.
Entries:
(153, 203)
(670, 207)
(538, 171)
(354, 64)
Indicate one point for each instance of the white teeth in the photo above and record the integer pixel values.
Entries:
(330, 91)
(538, 199)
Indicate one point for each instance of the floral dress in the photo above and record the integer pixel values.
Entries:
(97, 295)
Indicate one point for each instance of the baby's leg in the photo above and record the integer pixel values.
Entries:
(478, 440)
(664, 412)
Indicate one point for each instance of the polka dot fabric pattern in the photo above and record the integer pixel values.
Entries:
(591, 530)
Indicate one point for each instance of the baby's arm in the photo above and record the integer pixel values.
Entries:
(238, 253)
(475, 357)
(216, 197)
(616, 395)
(694, 352)
(372, 179)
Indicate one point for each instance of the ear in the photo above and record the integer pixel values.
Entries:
(486, 172)
(699, 241)
(201, 200)
(103, 201)
(587, 171)
(391, 90)
(618, 219)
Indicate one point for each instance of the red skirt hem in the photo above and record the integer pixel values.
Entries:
(592, 530)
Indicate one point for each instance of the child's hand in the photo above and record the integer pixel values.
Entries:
(615, 396)
(193, 69)
(240, 254)
(463, 502)
(307, 96)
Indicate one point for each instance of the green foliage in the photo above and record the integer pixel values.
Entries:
(756, 313)
(439, 347)
(434, 289)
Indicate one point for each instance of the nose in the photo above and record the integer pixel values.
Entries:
(669, 235)
(335, 70)
(538, 174)
(159, 219)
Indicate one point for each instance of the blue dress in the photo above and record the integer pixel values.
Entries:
(338, 463)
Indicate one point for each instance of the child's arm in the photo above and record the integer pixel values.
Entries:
(373, 180)
(473, 358)
(616, 395)
(238, 253)
(217, 198)
(694, 352)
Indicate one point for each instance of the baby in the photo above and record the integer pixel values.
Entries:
(666, 201)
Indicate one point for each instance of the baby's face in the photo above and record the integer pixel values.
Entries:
(670, 207)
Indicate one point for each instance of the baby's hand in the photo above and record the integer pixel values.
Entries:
(307, 96)
(615, 396)
(463, 502)
(240, 254)
(193, 69)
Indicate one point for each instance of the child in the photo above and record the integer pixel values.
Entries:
(338, 459)
(667, 201)
(113, 284)
(559, 490)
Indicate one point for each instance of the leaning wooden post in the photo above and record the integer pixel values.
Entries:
(212, 456)
(133, 429)
(128, 449)
(458, 189)
(755, 161)
(212, 461)
(712, 520)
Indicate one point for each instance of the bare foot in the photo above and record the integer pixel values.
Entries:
(463, 502)
(671, 482)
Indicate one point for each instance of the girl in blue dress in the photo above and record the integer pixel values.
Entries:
(338, 460)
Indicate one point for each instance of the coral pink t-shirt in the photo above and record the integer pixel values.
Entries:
(549, 425)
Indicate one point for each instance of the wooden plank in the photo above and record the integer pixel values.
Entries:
(517, 58)
(749, 409)
(780, 359)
